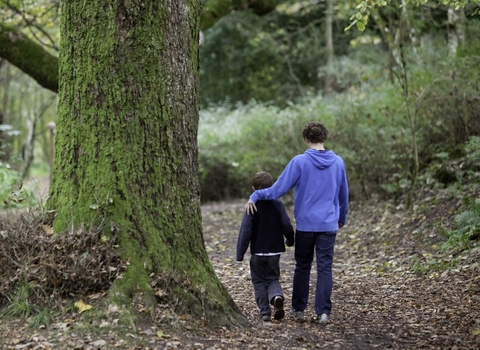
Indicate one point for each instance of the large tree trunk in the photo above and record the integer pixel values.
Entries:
(126, 148)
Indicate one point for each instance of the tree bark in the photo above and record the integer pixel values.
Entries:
(126, 146)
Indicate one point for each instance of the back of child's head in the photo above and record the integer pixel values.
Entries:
(262, 179)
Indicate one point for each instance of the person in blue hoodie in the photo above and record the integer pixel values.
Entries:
(320, 209)
(264, 231)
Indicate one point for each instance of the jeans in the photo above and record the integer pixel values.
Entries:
(265, 272)
(323, 244)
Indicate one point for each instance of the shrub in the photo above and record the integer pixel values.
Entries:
(235, 144)
(467, 225)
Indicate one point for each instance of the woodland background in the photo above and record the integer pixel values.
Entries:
(399, 92)
(408, 84)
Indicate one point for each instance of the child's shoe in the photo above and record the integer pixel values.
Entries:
(265, 318)
(278, 312)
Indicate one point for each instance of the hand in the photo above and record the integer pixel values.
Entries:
(340, 225)
(250, 207)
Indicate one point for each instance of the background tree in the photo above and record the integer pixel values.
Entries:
(329, 46)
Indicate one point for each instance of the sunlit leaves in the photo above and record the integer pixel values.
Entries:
(362, 8)
(82, 307)
(360, 26)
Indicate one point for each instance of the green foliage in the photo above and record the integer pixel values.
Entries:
(275, 58)
(20, 305)
(43, 318)
(428, 263)
(12, 192)
(8, 180)
(446, 103)
(473, 149)
(234, 144)
(369, 126)
(362, 9)
(467, 225)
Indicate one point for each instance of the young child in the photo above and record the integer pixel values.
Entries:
(264, 231)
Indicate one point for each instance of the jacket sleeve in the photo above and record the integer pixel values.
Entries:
(287, 180)
(343, 198)
(244, 236)
(287, 226)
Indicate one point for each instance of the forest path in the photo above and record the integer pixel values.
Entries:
(378, 302)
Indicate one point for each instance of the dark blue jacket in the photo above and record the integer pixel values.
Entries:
(264, 230)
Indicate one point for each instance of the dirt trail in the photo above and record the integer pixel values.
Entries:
(378, 301)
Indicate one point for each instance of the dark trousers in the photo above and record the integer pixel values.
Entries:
(265, 273)
(305, 244)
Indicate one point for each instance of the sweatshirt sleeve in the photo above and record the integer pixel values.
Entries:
(343, 199)
(244, 236)
(287, 180)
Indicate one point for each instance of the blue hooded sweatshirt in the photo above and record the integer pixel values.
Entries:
(321, 190)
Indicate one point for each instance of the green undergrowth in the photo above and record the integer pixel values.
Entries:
(13, 193)
(466, 232)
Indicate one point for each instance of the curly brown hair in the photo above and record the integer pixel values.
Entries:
(262, 179)
(315, 132)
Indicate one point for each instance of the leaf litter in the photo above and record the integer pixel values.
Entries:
(392, 289)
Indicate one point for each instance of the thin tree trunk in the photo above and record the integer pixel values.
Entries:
(396, 53)
(52, 127)
(29, 143)
(456, 30)
(126, 147)
(28, 147)
(5, 147)
(329, 46)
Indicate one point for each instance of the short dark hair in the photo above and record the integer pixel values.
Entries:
(262, 179)
(315, 132)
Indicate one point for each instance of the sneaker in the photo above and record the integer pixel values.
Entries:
(297, 315)
(278, 312)
(265, 318)
(323, 318)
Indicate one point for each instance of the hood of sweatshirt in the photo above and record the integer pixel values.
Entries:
(321, 159)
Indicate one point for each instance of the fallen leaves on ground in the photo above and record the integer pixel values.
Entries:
(391, 290)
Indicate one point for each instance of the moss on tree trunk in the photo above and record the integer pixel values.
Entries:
(126, 148)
